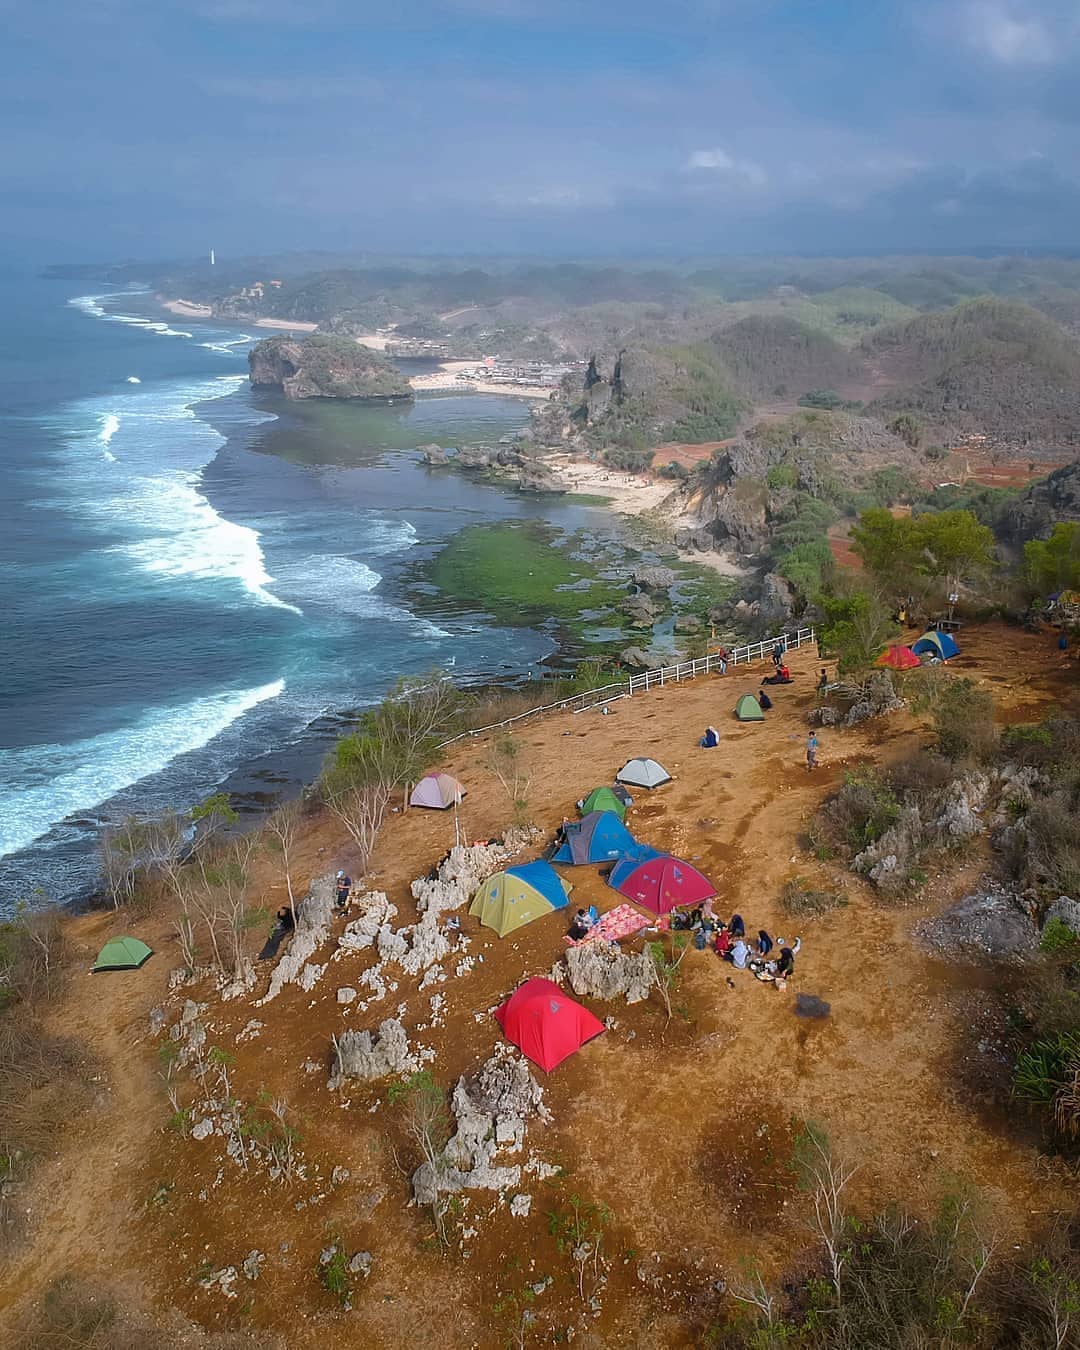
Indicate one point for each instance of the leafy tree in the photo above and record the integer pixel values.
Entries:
(1054, 564)
(908, 428)
(949, 546)
(887, 544)
(856, 628)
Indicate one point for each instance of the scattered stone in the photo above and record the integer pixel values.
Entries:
(687, 623)
(202, 1129)
(339, 1176)
(653, 578)
(158, 1018)
(252, 1263)
(990, 923)
(635, 659)
(250, 1031)
(346, 994)
(520, 1206)
(360, 1264)
(1067, 911)
(224, 1279)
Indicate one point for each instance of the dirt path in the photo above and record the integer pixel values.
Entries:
(683, 1130)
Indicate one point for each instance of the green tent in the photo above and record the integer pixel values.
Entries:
(122, 953)
(513, 898)
(603, 799)
(748, 709)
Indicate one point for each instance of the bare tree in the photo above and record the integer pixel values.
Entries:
(507, 760)
(826, 1178)
(282, 828)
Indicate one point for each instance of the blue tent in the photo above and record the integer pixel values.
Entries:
(597, 837)
(936, 644)
(625, 866)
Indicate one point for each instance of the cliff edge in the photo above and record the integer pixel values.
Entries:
(323, 366)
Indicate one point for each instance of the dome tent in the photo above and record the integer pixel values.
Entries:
(606, 799)
(662, 883)
(898, 657)
(437, 790)
(598, 837)
(122, 953)
(937, 644)
(646, 773)
(748, 709)
(511, 899)
(545, 1024)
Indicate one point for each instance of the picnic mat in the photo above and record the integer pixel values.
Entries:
(620, 922)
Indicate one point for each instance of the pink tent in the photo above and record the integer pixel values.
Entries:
(662, 883)
(438, 790)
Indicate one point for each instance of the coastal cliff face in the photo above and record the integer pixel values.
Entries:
(323, 366)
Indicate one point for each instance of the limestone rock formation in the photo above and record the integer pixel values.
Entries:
(606, 972)
(361, 1054)
(653, 578)
(990, 923)
(325, 366)
(535, 476)
(433, 454)
(492, 1112)
(312, 930)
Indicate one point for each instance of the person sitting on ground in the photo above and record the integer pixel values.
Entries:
(580, 927)
(453, 924)
(736, 927)
(764, 943)
(785, 967)
(785, 674)
(722, 945)
(740, 954)
(710, 739)
(695, 917)
(344, 886)
(764, 700)
(284, 923)
(708, 913)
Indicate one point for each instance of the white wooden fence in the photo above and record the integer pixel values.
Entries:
(738, 656)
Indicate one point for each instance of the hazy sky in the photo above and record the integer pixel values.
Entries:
(158, 127)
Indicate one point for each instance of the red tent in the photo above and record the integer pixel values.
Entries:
(546, 1025)
(898, 658)
(661, 884)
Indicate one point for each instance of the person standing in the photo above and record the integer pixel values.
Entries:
(344, 886)
(811, 751)
(778, 654)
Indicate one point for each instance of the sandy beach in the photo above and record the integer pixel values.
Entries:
(450, 376)
(290, 325)
(187, 309)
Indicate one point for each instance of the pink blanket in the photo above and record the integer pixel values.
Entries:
(620, 922)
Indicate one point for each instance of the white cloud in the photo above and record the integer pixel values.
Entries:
(1008, 37)
(719, 161)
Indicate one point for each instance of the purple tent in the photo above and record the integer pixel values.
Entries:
(438, 790)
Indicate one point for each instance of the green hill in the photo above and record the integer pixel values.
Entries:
(768, 356)
(987, 365)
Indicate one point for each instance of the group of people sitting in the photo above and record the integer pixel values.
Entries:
(583, 921)
(768, 958)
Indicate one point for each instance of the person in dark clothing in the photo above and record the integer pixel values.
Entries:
(344, 886)
(764, 943)
(764, 700)
(736, 927)
(1063, 643)
(785, 967)
(778, 654)
(695, 917)
(283, 926)
(581, 925)
(823, 682)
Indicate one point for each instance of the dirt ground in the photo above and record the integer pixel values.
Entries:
(682, 1130)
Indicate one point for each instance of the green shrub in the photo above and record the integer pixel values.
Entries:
(1057, 937)
(799, 898)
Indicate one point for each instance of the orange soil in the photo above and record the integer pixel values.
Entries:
(684, 1131)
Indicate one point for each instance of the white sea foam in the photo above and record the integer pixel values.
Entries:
(133, 379)
(164, 522)
(91, 304)
(226, 348)
(347, 586)
(109, 762)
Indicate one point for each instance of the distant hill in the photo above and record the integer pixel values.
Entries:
(770, 356)
(325, 367)
(987, 365)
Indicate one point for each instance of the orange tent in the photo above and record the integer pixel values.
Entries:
(898, 658)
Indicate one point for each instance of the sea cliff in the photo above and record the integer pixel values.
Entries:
(324, 366)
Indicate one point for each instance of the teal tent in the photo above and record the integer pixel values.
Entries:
(122, 953)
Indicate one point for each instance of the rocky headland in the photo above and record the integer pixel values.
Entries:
(324, 366)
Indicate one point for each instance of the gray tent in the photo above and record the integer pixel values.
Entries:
(646, 773)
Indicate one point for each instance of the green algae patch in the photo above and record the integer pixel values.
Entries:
(519, 572)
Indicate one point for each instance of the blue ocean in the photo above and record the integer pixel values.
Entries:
(199, 582)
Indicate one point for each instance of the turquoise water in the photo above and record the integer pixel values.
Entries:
(199, 580)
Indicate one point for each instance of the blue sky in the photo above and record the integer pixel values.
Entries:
(153, 128)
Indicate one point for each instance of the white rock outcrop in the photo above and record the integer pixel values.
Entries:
(313, 919)
(367, 1055)
(600, 971)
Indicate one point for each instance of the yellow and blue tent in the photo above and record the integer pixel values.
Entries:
(511, 899)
